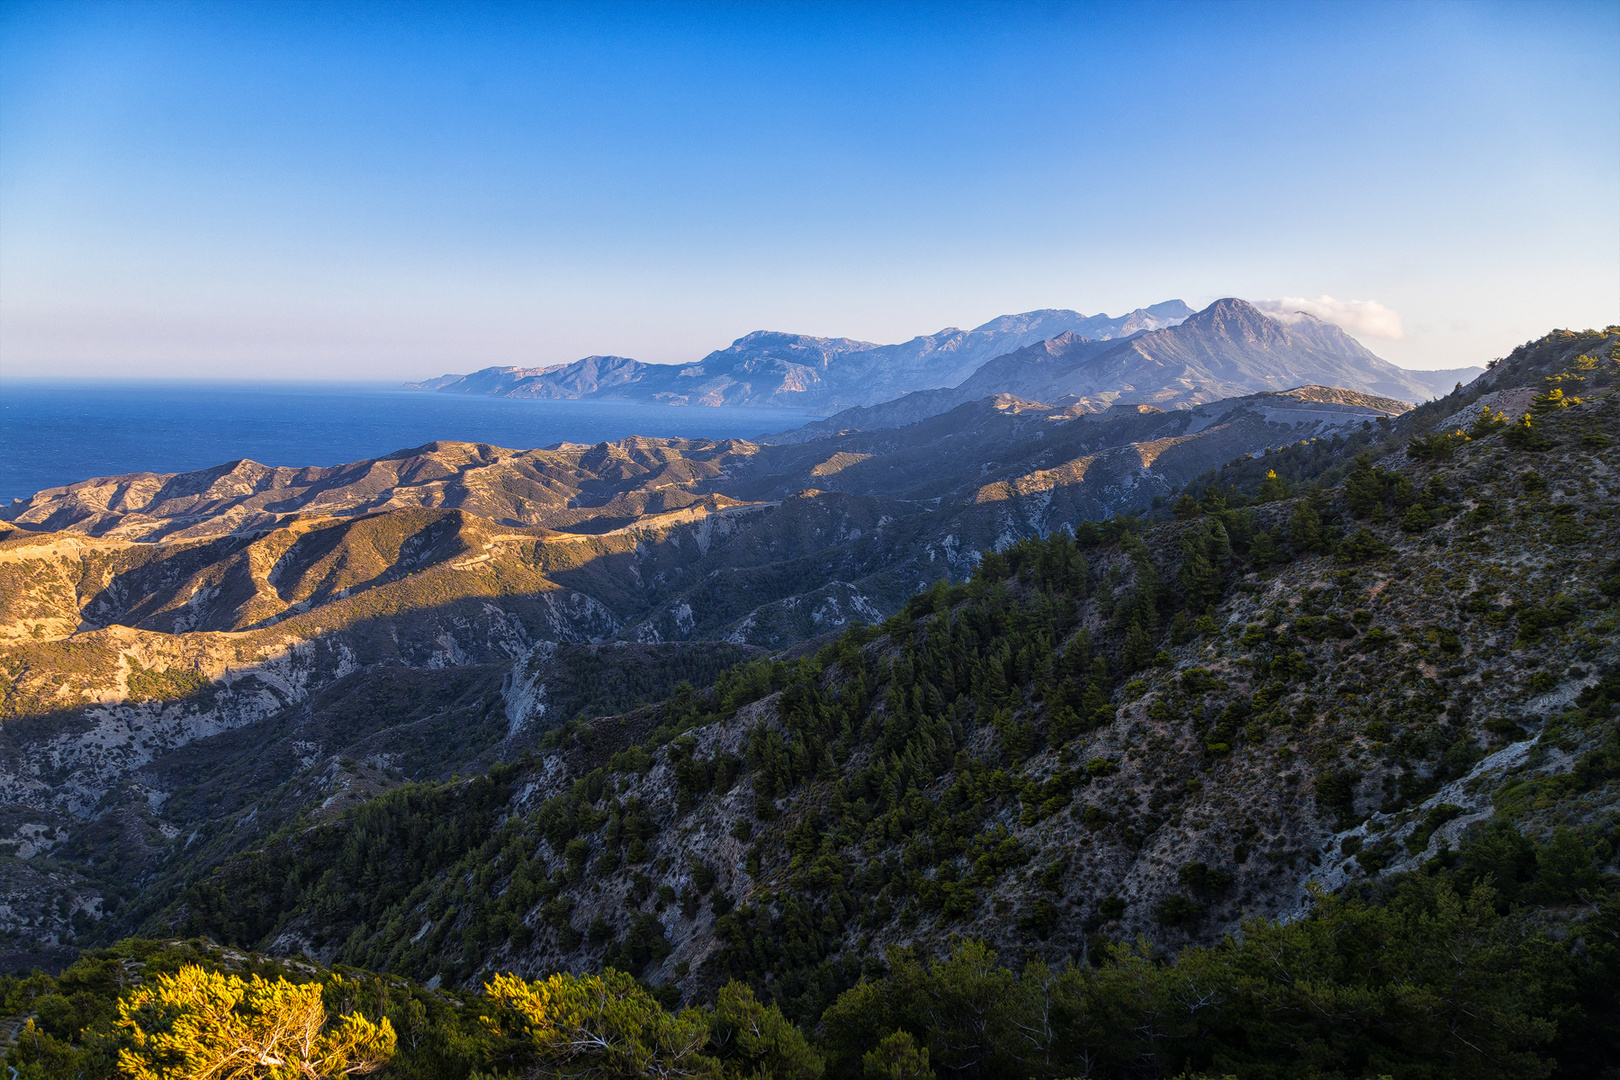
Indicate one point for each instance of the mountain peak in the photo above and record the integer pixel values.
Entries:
(762, 339)
(1169, 309)
(1025, 320)
(1229, 318)
(1229, 307)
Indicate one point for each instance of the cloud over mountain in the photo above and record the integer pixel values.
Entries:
(1364, 318)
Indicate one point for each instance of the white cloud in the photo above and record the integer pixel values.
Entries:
(1362, 318)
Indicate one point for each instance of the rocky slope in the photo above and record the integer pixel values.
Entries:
(145, 613)
(300, 641)
(1095, 738)
(648, 539)
(578, 490)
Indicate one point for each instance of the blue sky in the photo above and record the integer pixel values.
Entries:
(392, 191)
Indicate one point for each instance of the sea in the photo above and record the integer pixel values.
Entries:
(56, 433)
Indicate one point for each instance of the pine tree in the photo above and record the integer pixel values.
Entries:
(1219, 546)
(1272, 488)
(1552, 401)
(599, 1025)
(1138, 652)
(1181, 628)
(198, 1023)
(1305, 528)
(1263, 549)
(1204, 553)
(1487, 423)
(1364, 488)
(1525, 436)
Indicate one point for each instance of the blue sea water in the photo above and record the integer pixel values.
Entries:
(55, 433)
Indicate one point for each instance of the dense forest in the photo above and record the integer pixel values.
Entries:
(1437, 975)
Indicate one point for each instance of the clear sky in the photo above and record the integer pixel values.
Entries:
(393, 191)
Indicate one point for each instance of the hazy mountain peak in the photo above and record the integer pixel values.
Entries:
(1227, 309)
(1229, 349)
(1028, 320)
(764, 339)
(1168, 309)
(1231, 319)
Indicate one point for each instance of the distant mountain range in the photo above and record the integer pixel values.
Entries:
(796, 370)
(1227, 350)
(1163, 355)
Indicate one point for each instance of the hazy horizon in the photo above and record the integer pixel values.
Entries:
(341, 378)
(384, 193)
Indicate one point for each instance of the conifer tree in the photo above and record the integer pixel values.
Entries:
(1305, 528)
(1138, 652)
(203, 1025)
(1364, 488)
(1272, 488)
(599, 1026)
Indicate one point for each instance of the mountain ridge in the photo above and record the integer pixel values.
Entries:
(907, 381)
(1228, 349)
(770, 368)
(575, 487)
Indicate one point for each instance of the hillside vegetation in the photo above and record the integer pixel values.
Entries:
(1312, 771)
(160, 637)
